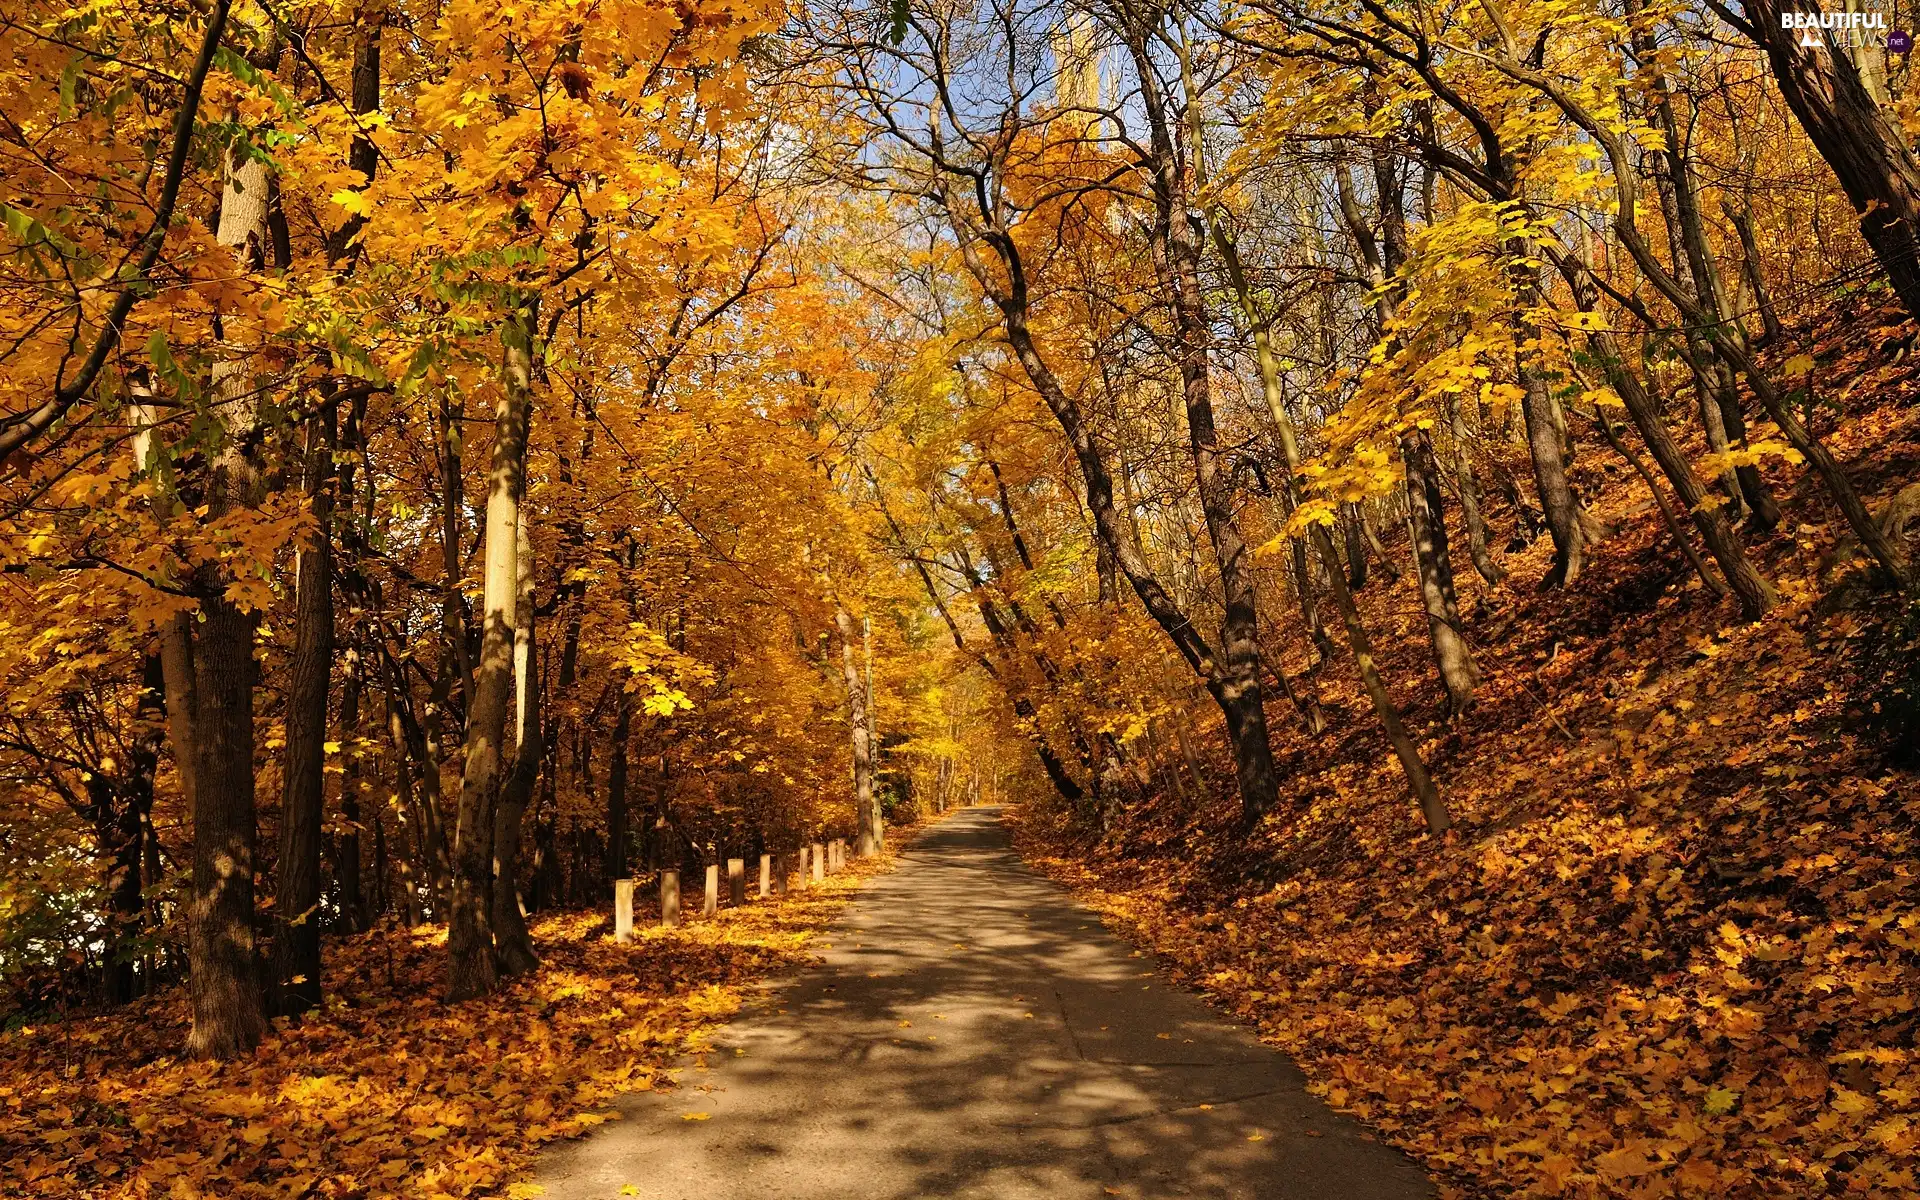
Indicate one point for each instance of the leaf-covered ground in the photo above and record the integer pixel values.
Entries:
(389, 1092)
(1673, 947)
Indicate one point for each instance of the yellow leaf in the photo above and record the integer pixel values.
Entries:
(1624, 1163)
(1845, 1100)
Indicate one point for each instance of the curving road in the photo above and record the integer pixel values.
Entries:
(975, 1033)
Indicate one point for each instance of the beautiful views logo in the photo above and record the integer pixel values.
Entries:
(1847, 29)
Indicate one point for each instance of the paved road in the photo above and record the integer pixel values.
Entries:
(975, 1033)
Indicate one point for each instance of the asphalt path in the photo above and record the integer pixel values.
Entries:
(973, 1032)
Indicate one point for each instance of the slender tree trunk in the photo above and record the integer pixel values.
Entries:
(618, 833)
(470, 934)
(353, 900)
(1426, 519)
(1471, 514)
(513, 951)
(453, 610)
(876, 816)
(176, 661)
(1234, 676)
(362, 156)
(123, 807)
(1419, 782)
(1387, 566)
(381, 901)
(1742, 220)
(1273, 392)
(296, 918)
(1548, 455)
(414, 748)
(1754, 592)
(1712, 582)
(1356, 545)
(860, 731)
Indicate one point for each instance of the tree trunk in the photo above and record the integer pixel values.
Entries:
(1419, 782)
(1710, 519)
(1355, 543)
(1382, 258)
(1471, 513)
(860, 732)
(353, 899)
(1426, 519)
(1860, 140)
(176, 662)
(1234, 676)
(470, 935)
(123, 820)
(227, 1015)
(1706, 576)
(1753, 591)
(617, 822)
(513, 952)
(453, 608)
(1742, 221)
(1548, 456)
(296, 918)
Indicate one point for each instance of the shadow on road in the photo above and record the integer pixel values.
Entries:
(972, 1032)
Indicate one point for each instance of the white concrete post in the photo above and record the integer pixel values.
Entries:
(623, 910)
(670, 898)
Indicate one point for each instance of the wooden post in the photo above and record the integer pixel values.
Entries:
(670, 898)
(712, 903)
(736, 881)
(819, 862)
(766, 875)
(782, 867)
(623, 910)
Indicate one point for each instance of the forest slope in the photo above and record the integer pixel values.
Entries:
(1671, 946)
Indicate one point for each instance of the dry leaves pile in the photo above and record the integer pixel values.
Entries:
(390, 1091)
(1674, 948)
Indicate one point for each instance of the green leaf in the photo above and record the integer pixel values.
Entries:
(167, 371)
(69, 82)
(235, 64)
